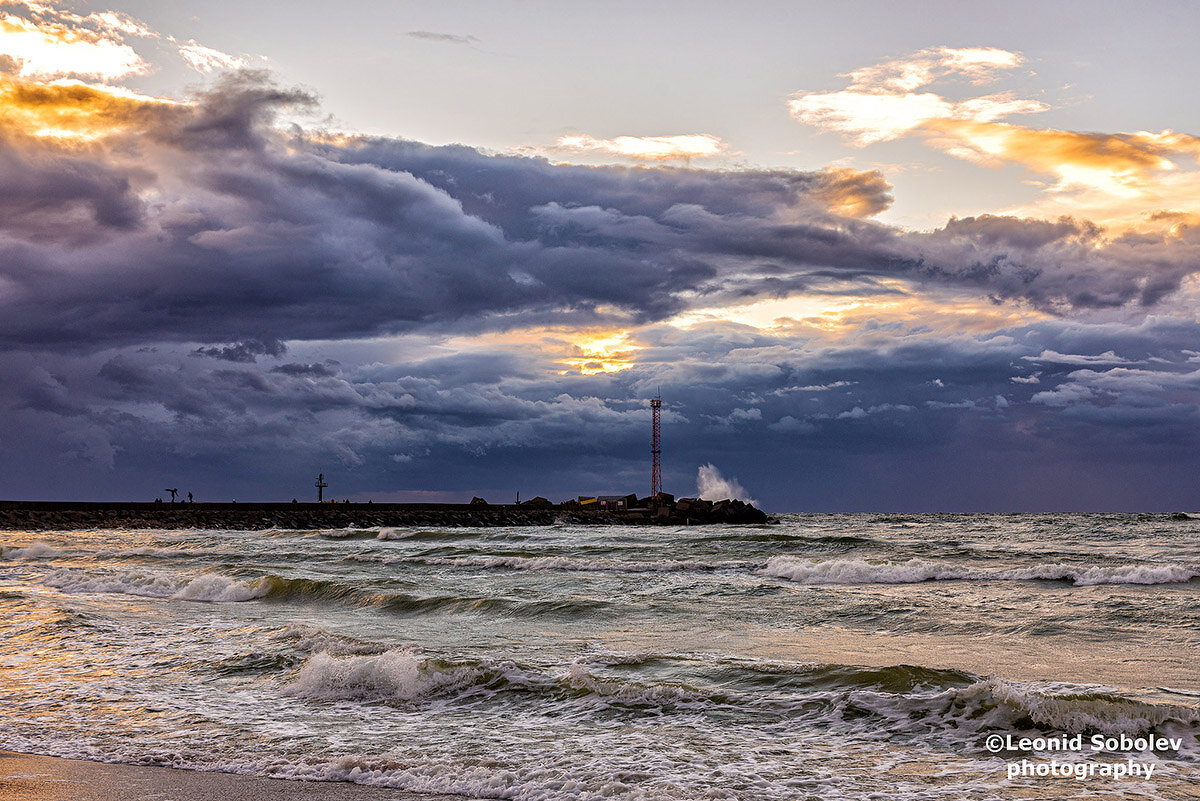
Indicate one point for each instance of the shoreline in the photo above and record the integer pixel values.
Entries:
(77, 515)
(36, 777)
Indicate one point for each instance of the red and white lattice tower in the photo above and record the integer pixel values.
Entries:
(656, 450)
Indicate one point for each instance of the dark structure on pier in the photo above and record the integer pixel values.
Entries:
(656, 448)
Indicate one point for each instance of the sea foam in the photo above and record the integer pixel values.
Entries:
(566, 563)
(912, 571)
(395, 676)
(210, 587)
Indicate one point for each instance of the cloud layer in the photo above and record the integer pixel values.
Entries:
(190, 289)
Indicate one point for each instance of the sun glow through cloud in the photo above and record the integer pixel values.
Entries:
(41, 41)
(562, 350)
(46, 51)
(602, 353)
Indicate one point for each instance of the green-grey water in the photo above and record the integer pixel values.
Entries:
(829, 656)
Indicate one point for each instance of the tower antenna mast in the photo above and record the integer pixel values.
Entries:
(656, 449)
(321, 485)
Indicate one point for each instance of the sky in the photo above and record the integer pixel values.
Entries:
(875, 256)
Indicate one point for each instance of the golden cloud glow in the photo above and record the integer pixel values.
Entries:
(1119, 179)
(1116, 179)
(68, 109)
(1114, 163)
(649, 148)
(853, 193)
(842, 319)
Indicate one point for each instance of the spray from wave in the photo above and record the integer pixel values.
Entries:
(152, 584)
(712, 486)
(38, 550)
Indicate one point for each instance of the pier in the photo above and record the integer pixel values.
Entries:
(49, 515)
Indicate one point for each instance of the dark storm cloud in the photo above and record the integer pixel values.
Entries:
(784, 414)
(307, 370)
(254, 236)
(1058, 266)
(247, 351)
(748, 234)
(41, 193)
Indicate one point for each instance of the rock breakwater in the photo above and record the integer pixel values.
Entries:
(41, 516)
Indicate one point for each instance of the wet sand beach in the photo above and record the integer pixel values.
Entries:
(29, 777)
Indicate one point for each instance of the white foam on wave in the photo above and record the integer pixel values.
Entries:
(386, 533)
(221, 589)
(210, 587)
(1134, 574)
(337, 533)
(356, 532)
(582, 565)
(912, 571)
(36, 550)
(857, 571)
(965, 714)
(396, 676)
(1087, 709)
(128, 582)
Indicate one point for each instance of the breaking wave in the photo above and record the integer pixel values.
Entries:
(36, 550)
(214, 587)
(396, 676)
(947, 705)
(861, 571)
(395, 533)
(373, 533)
(210, 587)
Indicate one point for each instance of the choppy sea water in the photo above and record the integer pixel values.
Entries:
(830, 656)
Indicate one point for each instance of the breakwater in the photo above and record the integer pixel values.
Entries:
(49, 515)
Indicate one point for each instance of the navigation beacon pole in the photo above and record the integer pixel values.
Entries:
(656, 451)
(321, 485)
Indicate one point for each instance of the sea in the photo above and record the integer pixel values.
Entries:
(851, 656)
